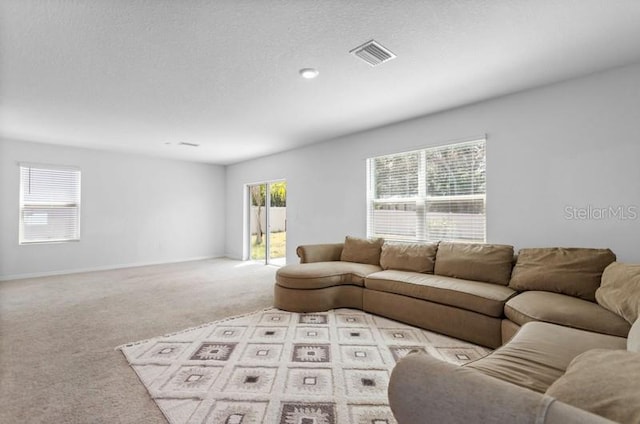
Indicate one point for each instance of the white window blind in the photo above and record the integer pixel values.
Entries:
(428, 195)
(49, 203)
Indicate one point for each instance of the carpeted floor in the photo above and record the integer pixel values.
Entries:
(57, 334)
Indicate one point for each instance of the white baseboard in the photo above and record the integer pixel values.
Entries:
(234, 257)
(102, 268)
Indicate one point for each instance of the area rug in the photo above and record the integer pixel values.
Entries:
(277, 367)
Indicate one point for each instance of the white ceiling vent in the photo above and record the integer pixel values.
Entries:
(373, 53)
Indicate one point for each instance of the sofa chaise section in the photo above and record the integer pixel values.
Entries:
(323, 279)
(320, 286)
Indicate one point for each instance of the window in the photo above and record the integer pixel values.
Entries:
(49, 203)
(428, 195)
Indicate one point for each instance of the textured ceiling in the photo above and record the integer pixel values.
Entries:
(134, 75)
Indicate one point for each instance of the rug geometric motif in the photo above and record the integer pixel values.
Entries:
(277, 367)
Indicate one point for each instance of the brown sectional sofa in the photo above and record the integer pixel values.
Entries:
(462, 290)
(484, 294)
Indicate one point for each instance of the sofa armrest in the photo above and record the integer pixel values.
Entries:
(319, 252)
(424, 389)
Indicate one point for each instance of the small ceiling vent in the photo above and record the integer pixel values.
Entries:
(373, 53)
(184, 143)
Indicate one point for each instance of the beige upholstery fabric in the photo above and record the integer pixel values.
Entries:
(572, 271)
(418, 257)
(317, 300)
(540, 353)
(633, 340)
(423, 389)
(452, 321)
(562, 413)
(564, 310)
(490, 263)
(488, 299)
(319, 252)
(605, 382)
(364, 251)
(620, 290)
(509, 329)
(317, 275)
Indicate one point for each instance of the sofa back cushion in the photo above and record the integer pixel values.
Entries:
(417, 257)
(619, 290)
(571, 271)
(604, 382)
(490, 263)
(364, 251)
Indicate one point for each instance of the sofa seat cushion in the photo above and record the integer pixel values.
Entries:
(318, 275)
(604, 382)
(540, 353)
(485, 298)
(564, 310)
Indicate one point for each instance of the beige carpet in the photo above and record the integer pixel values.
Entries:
(273, 367)
(57, 334)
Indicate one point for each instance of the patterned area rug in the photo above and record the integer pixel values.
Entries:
(277, 367)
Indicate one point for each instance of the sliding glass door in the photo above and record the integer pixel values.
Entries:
(268, 222)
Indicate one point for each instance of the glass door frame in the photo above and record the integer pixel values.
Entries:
(267, 217)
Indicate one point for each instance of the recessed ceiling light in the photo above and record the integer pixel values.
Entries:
(308, 73)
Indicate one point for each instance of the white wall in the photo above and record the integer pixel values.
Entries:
(573, 144)
(135, 210)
